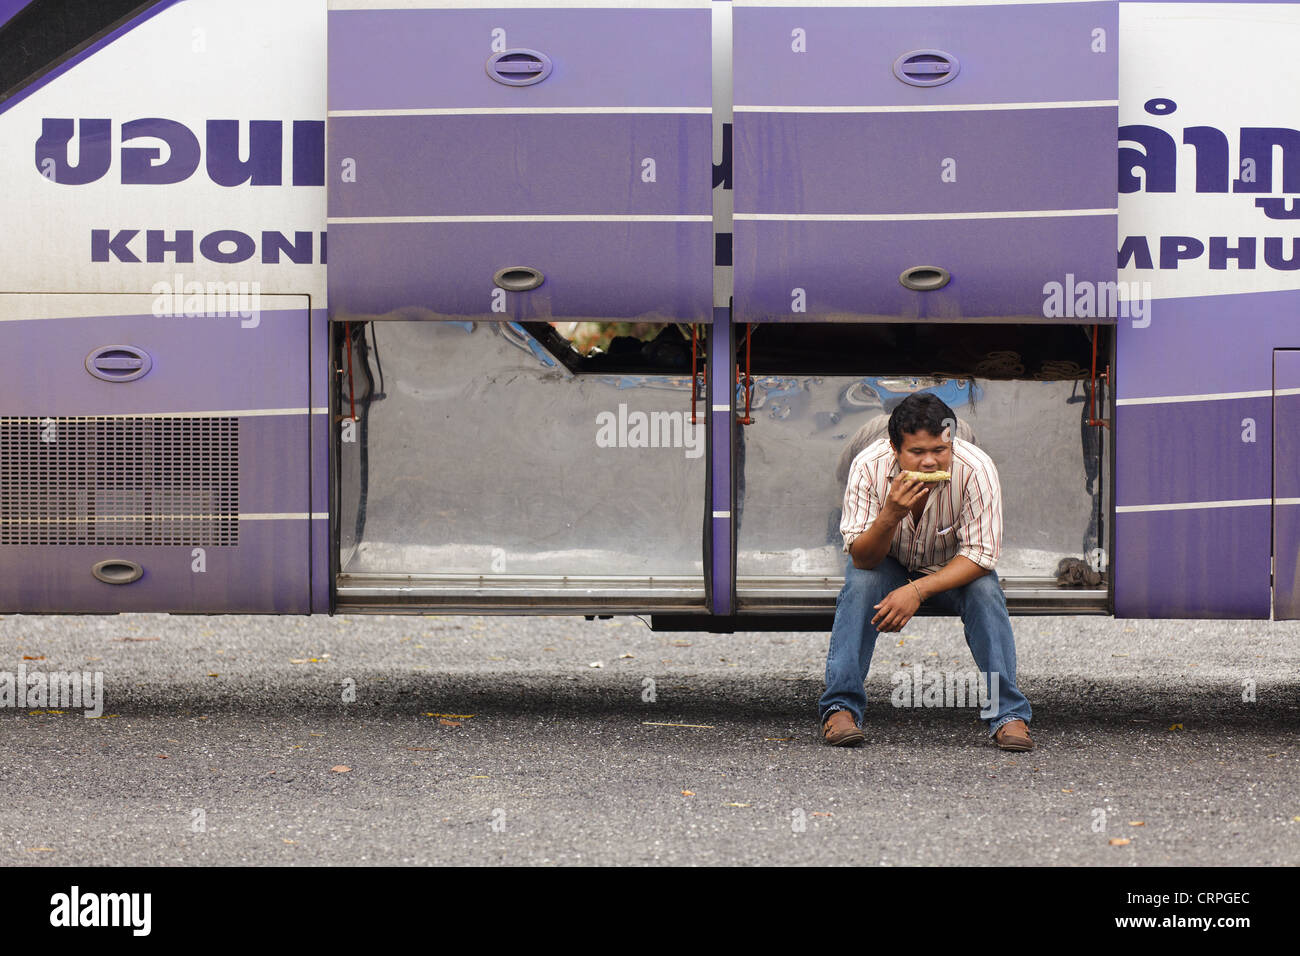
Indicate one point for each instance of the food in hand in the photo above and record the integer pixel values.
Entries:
(925, 475)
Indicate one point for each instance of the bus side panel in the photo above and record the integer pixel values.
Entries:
(1210, 267)
(322, 545)
(148, 204)
(173, 448)
(1193, 482)
(1286, 484)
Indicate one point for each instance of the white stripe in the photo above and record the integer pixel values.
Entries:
(1286, 501)
(376, 220)
(520, 111)
(722, 408)
(722, 514)
(920, 216)
(1206, 397)
(931, 107)
(232, 413)
(283, 516)
(1196, 505)
(71, 306)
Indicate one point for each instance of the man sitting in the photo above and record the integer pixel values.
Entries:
(910, 541)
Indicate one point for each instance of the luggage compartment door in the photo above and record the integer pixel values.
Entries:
(155, 453)
(521, 162)
(946, 162)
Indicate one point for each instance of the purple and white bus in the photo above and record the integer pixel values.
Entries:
(615, 289)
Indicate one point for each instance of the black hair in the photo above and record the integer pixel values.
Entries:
(920, 412)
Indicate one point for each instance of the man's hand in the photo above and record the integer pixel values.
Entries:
(869, 548)
(898, 607)
(904, 493)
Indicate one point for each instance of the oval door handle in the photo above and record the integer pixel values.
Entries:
(926, 67)
(925, 278)
(117, 571)
(118, 363)
(518, 278)
(519, 67)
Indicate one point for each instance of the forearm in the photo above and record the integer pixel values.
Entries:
(957, 573)
(869, 548)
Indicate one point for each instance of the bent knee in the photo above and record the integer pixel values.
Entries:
(867, 580)
(985, 588)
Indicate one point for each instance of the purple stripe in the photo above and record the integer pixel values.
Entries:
(721, 351)
(320, 357)
(1286, 567)
(1008, 54)
(425, 59)
(267, 572)
(320, 428)
(527, 165)
(321, 584)
(892, 162)
(88, 52)
(9, 7)
(274, 464)
(1286, 434)
(319, 471)
(1192, 452)
(1286, 369)
(652, 271)
(1198, 346)
(849, 271)
(199, 364)
(1192, 564)
(1286, 518)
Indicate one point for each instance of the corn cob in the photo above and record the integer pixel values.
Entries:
(925, 475)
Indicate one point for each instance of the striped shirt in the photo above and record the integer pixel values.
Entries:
(962, 516)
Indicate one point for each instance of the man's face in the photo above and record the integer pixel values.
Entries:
(922, 451)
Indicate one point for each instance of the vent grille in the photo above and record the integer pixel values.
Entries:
(135, 480)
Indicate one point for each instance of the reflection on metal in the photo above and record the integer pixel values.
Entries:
(467, 593)
(494, 480)
(790, 595)
(790, 497)
(492, 477)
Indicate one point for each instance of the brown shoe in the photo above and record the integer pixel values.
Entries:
(840, 730)
(1013, 735)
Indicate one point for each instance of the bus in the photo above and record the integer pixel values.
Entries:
(583, 307)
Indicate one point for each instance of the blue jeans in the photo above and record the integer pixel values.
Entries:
(983, 611)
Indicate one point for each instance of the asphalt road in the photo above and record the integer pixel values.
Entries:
(223, 738)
